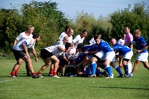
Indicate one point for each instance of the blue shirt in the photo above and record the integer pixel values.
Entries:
(122, 49)
(104, 46)
(80, 58)
(140, 44)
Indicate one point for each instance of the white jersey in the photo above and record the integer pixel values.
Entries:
(23, 36)
(92, 41)
(54, 49)
(77, 40)
(62, 35)
(29, 42)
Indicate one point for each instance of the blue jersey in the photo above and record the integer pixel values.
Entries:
(122, 49)
(140, 43)
(80, 57)
(104, 46)
(93, 47)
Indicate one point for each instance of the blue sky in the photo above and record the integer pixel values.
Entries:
(72, 7)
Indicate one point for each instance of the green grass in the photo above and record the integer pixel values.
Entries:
(70, 87)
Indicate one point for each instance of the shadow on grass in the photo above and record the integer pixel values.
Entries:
(120, 88)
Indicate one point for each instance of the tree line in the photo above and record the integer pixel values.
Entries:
(49, 22)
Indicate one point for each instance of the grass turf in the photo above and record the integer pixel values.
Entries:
(25, 87)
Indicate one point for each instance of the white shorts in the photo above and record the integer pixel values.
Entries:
(128, 55)
(110, 56)
(100, 54)
(143, 56)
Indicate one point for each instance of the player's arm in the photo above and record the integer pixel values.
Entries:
(82, 62)
(25, 49)
(35, 55)
(15, 42)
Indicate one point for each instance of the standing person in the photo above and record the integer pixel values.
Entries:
(128, 39)
(22, 36)
(63, 34)
(50, 54)
(79, 38)
(141, 46)
(20, 51)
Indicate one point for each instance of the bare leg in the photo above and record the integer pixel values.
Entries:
(135, 66)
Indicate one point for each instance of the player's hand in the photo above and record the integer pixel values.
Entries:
(36, 59)
(138, 51)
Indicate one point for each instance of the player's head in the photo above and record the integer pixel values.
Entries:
(80, 47)
(84, 33)
(97, 39)
(67, 29)
(70, 32)
(30, 29)
(113, 41)
(137, 33)
(67, 46)
(127, 29)
(36, 37)
(65, 39)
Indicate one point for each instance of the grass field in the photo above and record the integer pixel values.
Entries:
(70, 87)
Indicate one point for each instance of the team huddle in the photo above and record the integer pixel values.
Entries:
(92, 60)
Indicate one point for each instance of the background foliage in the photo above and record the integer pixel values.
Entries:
(49, 23)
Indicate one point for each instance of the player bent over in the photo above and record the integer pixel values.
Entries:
(126, 53)
(50, 54)
(20, 51)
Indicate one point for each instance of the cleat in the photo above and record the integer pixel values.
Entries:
(51, 75)
(12, 76)
(130, 75)
(35, 76)
(39, 75)
(93, 75)
(56, 76)
(126, 75)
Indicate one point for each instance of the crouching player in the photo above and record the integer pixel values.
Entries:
(20, 51)
(126, 53)
(50, 54)
(141, 50)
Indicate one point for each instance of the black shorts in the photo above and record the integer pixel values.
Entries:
(44, 54)
(18, 54)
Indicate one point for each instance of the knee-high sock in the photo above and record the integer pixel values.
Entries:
(88, 71)
(126, 69)
(118, 70)
(129, 67)
(109, 70)
(94, 66)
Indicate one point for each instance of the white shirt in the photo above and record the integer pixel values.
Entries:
(92, 41)
(62, 35)
(54, 49)
(29, 42)
(22, 36)
(77, 40)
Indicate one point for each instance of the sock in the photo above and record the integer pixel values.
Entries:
(39, 73)
(12, 73)
(126, 69)
(17, 70)
(98, 71)
(129, 67)
(88, 71)
(109, 70)
(54, 73)
(33, 74)
(51, 71)
(118, 70)
(94, 66)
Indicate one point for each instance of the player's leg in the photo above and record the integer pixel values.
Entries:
(93, 66)
(146, 65)
(56, 65)
(117, 68)
(47, 64)
(125, 65)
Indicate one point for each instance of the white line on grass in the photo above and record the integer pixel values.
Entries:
(5, 81)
